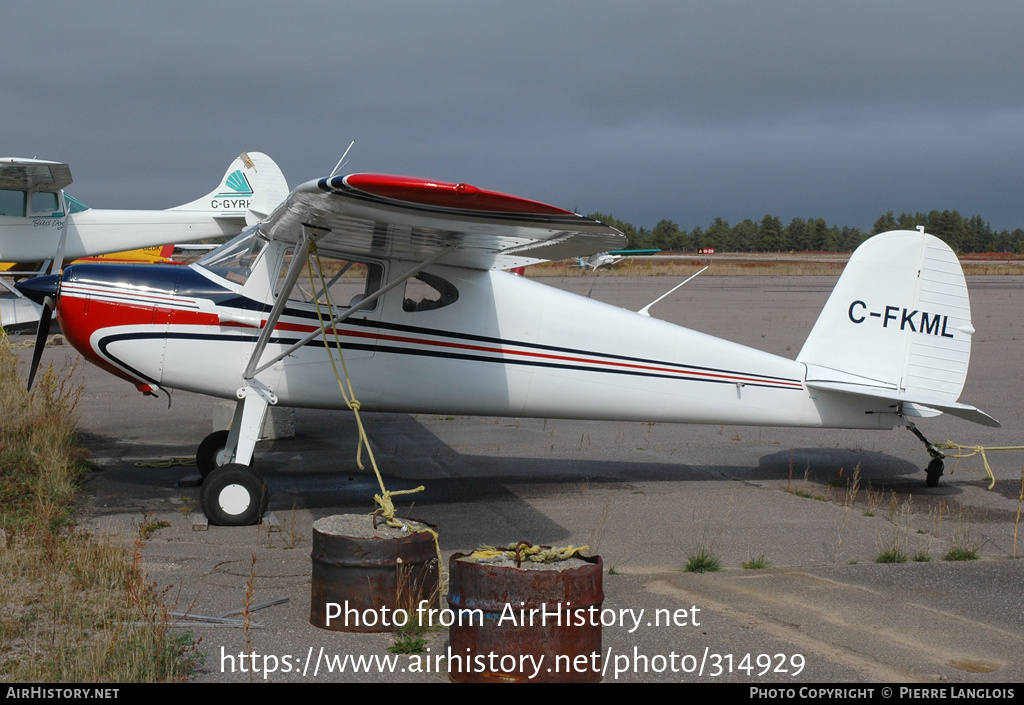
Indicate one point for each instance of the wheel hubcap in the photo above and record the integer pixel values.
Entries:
(234, 499)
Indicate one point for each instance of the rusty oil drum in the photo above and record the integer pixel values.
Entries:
(504, 590)
(372, 576)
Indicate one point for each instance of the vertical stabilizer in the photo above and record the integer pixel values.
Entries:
(899, 320)
(253, 182)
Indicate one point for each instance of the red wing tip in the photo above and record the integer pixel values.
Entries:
(444, 194)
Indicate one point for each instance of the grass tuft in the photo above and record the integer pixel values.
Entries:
(408, 645)
(150, 526)
(965, 544)
(961, 553)
(702, 561)
(759, 563)
(895, 554)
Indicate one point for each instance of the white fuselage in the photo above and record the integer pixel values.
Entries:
(507, 347)
(100, 231)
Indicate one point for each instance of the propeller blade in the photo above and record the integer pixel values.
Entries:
(41, 332)
(42, 290)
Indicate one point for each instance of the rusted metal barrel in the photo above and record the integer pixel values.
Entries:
(519, 625)
(371, 583)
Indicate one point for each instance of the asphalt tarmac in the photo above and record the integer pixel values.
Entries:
(643, 497)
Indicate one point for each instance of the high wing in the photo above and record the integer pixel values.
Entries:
(18, 174)
(413, 219)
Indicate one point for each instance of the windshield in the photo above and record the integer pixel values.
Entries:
(234, 259)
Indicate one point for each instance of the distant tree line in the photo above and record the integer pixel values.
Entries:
(964, 235)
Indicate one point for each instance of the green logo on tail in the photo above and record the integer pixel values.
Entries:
(238, 184)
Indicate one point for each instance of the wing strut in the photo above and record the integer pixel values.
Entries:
(251, 371)
(310, 235)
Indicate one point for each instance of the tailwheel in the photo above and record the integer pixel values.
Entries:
(935, 467)
(234, 495)
(934, 471)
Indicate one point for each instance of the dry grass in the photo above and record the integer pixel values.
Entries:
(966, 542)
(72, 608)
(742, 264)
(894, 543)
(38, 472)
(992, 269)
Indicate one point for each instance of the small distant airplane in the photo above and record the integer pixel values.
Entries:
(609, 259)
(402, 278)
(42, 226)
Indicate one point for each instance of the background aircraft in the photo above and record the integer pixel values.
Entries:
(609, 259)
(41, 226)
(393, 287)
(39, 221)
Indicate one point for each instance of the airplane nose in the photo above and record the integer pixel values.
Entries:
(38, 288)
(102, 309)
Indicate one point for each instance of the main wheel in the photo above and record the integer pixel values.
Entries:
(934, 471)
(211, 452)
(234, 495)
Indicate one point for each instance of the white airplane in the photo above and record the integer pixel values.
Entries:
(414, 296)
(40, 223)
(608, 259)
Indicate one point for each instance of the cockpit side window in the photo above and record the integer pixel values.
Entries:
(341, 282)
(12, 203)
(234, 259)
(45, 204)
(428, 292)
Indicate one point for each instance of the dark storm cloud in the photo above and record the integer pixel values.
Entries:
(642, 110)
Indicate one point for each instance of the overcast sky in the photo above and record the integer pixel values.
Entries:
(644, 110)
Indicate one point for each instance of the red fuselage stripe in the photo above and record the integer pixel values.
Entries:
(104, 314)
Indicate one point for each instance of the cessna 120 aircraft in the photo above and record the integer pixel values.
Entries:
(40, 223)
(404, 278)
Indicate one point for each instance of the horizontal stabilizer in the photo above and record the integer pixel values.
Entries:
(963, 411)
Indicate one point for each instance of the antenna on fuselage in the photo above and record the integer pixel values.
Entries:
(340, 161)
(645, 309)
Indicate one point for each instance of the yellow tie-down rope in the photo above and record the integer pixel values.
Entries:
(386, 506)
(970, 451)
(56, 339)
(522, 551)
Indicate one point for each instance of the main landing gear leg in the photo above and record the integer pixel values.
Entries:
(936, 466)
(233, 494)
